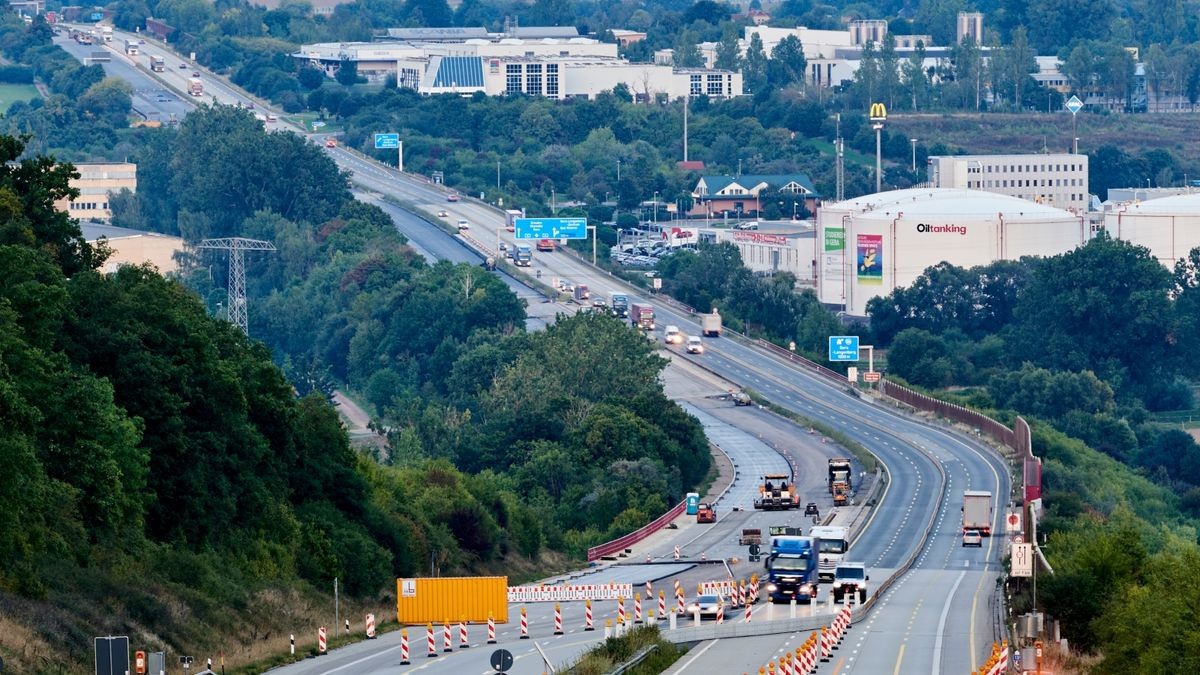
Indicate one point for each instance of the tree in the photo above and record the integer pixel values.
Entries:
(347, 72)
(687, 52)
(939, 19)
(1080, 69)
(754, 66)
(1052, 23)
(729, 51)
(789, 53)
(915, 78)
(310, 78)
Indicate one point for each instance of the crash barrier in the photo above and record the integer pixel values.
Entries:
(997, 662)
(1018, 439)
(616, 545)
(569, 593)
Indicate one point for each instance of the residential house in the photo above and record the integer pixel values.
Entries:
(743, 196)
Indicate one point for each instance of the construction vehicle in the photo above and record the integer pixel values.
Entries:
(547, 245)
(977, 512)
(705, 513)
(750, 535)
(841, 493)
(776, 494)
(710, 324)
(839, 472)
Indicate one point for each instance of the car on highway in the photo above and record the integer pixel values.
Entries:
(452, 197)
(707, 604)
(271, 117)
(694, 345)
(972, 538)
(195, 73)
(566, 286)
(463, 224)
(330, 143)
(443, 214)
(672, 335)
(183, 66)
(812, 510)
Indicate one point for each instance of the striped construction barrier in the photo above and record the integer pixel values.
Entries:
(370, 623)
(569, 593)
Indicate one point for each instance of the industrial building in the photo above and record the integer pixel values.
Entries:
(95, 183)
(1169, 227)
(134, 247)
(772, 250)
(1058, 180)
(871, 245)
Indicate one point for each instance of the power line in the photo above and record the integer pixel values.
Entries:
(237, 246)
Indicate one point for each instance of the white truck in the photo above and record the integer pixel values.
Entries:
(977, 511)
(831, 548)
(710, 324)
(131, 47)
(106, 32)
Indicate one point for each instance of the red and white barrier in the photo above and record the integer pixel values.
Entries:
(721, 613)
(785, 664)
(447, 643)
(587, 616)
(754, 591)
(677, 553)
(370, 623)
(430, 641)
(491, 630)
(621, 611)
(463, 643)
(524, 625)
(741, 593)
(662, 605)
(557, 619)
(649, 590)
(322, 645)
(569, 593)
(637, 607)
(404, 647)
(826, 648)
(682, 608)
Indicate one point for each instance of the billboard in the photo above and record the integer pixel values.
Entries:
(870, 259)
(551, 228)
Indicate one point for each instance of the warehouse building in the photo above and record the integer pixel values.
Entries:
(873, 244)
(1059, 180)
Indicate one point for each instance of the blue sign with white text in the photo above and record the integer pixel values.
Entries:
(550, 228)
(843, 347)
(387, 141)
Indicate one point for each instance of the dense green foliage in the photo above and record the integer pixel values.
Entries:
(1083, 343)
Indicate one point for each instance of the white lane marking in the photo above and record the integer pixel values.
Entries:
(698, 655)
(941, 629)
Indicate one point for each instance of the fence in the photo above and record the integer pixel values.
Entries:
(597, 552)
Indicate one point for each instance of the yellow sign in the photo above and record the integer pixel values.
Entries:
(878, 112)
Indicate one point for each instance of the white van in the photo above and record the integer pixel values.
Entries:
(672, 335)
(463, 224)
(694, 345)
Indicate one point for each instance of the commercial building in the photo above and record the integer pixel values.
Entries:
(95, 183)
(1059, 180)
(871, 245)
(771, 250)
(744, 196)
(134, 247)
(1169, 227)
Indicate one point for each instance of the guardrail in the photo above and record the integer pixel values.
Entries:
(597, 552)
(637, 658)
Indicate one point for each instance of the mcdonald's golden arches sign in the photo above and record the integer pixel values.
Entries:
(878, 112)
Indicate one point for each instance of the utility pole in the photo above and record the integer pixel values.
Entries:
(237, 273)
(841, 176)
(686, 98)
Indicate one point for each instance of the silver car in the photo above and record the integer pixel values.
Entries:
(707, 605)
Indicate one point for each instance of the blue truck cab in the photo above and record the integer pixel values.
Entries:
(792, 569)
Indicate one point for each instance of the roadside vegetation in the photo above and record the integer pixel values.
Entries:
(618, 651)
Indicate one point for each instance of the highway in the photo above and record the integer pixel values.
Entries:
(934, 619)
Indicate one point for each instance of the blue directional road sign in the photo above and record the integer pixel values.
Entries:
(550, 228)
(387, 141)
(843, 347)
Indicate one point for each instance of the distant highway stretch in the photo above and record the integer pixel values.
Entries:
(935, 619)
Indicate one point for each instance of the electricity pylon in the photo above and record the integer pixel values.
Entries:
(237, 273)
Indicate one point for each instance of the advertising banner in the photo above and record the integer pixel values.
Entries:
(833, 259)
(870, 259)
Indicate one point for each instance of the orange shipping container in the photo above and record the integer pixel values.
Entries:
(451, 599)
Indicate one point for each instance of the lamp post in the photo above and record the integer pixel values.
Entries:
(656, 206)
(618, 171)
(878, 115)
(553, 202)
(497, 174)
(914, 154)
(794, 207)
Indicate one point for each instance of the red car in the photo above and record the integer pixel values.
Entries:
(452, 197)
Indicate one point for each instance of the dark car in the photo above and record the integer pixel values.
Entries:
(811, 509)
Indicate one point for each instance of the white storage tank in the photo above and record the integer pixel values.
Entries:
(873, 244)
(1169, 226)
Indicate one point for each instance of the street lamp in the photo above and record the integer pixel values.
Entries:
(878, 115)
(914, 146)
(795, 206)
(618, 171)
(656, 206)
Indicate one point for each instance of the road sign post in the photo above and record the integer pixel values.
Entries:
(550, 228)
(388, 142)
(843, 348)
(1074, 105)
